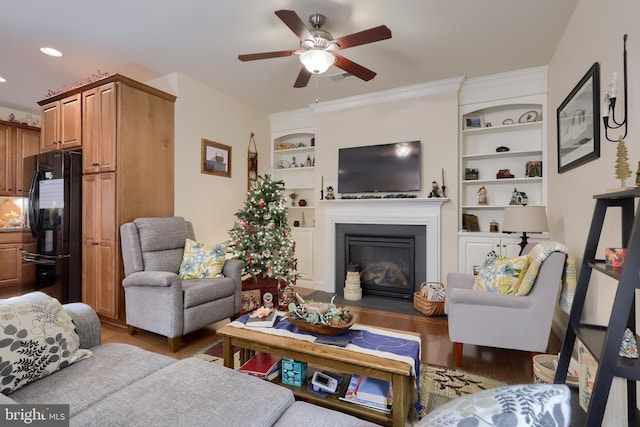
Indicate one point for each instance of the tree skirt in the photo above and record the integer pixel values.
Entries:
(438, 384)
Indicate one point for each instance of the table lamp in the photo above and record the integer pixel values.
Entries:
(525, 219)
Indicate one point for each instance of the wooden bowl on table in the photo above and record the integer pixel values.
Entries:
(321, 329)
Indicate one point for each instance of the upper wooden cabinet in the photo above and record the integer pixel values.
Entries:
(127, 139)
(99, 128)
(16, 142)
(61, 123)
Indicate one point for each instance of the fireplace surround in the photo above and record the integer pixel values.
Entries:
(410, 211)
(391, 257)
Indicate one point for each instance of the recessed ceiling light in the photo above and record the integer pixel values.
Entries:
(2, 80)
(50, 51)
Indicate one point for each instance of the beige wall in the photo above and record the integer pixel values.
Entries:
(594, 34)
(431, 119)
(210, 201)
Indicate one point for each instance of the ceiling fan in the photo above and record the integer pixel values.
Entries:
(318, 47)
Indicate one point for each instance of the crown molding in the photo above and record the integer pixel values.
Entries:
(397, 94)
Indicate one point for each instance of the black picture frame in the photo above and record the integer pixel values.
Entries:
(579, 123)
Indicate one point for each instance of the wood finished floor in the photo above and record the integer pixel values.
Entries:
(510, 366)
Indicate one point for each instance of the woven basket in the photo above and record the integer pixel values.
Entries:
(425, 306)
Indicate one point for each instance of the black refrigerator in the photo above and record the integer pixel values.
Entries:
(54, 215)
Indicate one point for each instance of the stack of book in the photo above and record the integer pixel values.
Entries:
(369, 392)
(262, 365)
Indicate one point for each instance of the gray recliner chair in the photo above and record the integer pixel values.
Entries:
(504, 321)
(156, 298)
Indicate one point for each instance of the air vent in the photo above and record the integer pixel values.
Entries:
(340, 76)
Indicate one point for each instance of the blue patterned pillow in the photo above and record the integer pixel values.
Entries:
(201, 261)
(510, 406)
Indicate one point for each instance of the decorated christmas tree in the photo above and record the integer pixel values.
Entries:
(261, 236)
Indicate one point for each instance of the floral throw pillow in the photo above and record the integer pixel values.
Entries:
(510, 406)
(201, 261)
(500, 274)
(37, 338)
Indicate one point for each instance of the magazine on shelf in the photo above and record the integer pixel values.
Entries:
(262, 365)
(263, 322)
(351, 395)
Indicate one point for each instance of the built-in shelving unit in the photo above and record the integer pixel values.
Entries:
(293, 161)
(502, 125)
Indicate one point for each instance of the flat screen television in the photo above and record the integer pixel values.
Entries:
(380, 168)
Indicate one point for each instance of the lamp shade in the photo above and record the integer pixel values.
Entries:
(526, 219)
(317, 61)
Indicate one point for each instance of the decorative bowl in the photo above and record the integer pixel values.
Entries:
(321, 329)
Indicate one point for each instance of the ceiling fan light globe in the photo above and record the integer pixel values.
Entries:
(317, 61)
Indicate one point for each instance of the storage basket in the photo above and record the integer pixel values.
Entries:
(425, 306)
(544, 370)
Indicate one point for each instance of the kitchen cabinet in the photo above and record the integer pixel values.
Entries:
(99, 129)
(10, 263)
(16, 142)
(128, 143)
(99, 243)
(61, 123)
(16, 276)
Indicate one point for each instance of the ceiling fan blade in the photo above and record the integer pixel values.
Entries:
(266, 55)
(293, 21)
(353, 68)
(303, 78)
(363, 37)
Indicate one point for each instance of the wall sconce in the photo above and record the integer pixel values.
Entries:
(609, 103)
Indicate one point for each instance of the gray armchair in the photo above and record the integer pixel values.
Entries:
(504, 321)
(156, 299)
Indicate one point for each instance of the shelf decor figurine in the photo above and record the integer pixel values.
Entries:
(482, 196)
(629, 347)
(622, 165)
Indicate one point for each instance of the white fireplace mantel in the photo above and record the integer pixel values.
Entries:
(409, 211)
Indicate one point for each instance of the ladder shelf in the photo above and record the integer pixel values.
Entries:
(603, 342)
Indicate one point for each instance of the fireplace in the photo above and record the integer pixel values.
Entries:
(391, 257)
(422, 212)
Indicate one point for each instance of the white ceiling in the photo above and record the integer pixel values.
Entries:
(145, 39)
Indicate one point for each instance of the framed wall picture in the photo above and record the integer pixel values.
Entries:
(578, 123)
(216, 158)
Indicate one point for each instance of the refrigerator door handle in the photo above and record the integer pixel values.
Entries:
(42, 259)
(33, 211)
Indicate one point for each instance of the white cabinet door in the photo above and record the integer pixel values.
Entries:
(475, 251)
(304, 252)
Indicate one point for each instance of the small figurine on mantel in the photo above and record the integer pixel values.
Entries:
(482, 196)
(435, 190)
(329, 195)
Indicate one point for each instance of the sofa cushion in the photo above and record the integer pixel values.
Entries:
(303, 413)
(193, 393)
(38, 338)
(113, 367)
(501, 274)
(200, 291)
(515, 405)
(200, 261)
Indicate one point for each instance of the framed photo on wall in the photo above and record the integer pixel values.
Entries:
(216, 158)
(578, 123)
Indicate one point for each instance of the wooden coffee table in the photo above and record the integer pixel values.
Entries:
(334, 359)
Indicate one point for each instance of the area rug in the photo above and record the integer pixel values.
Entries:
(438, 384)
